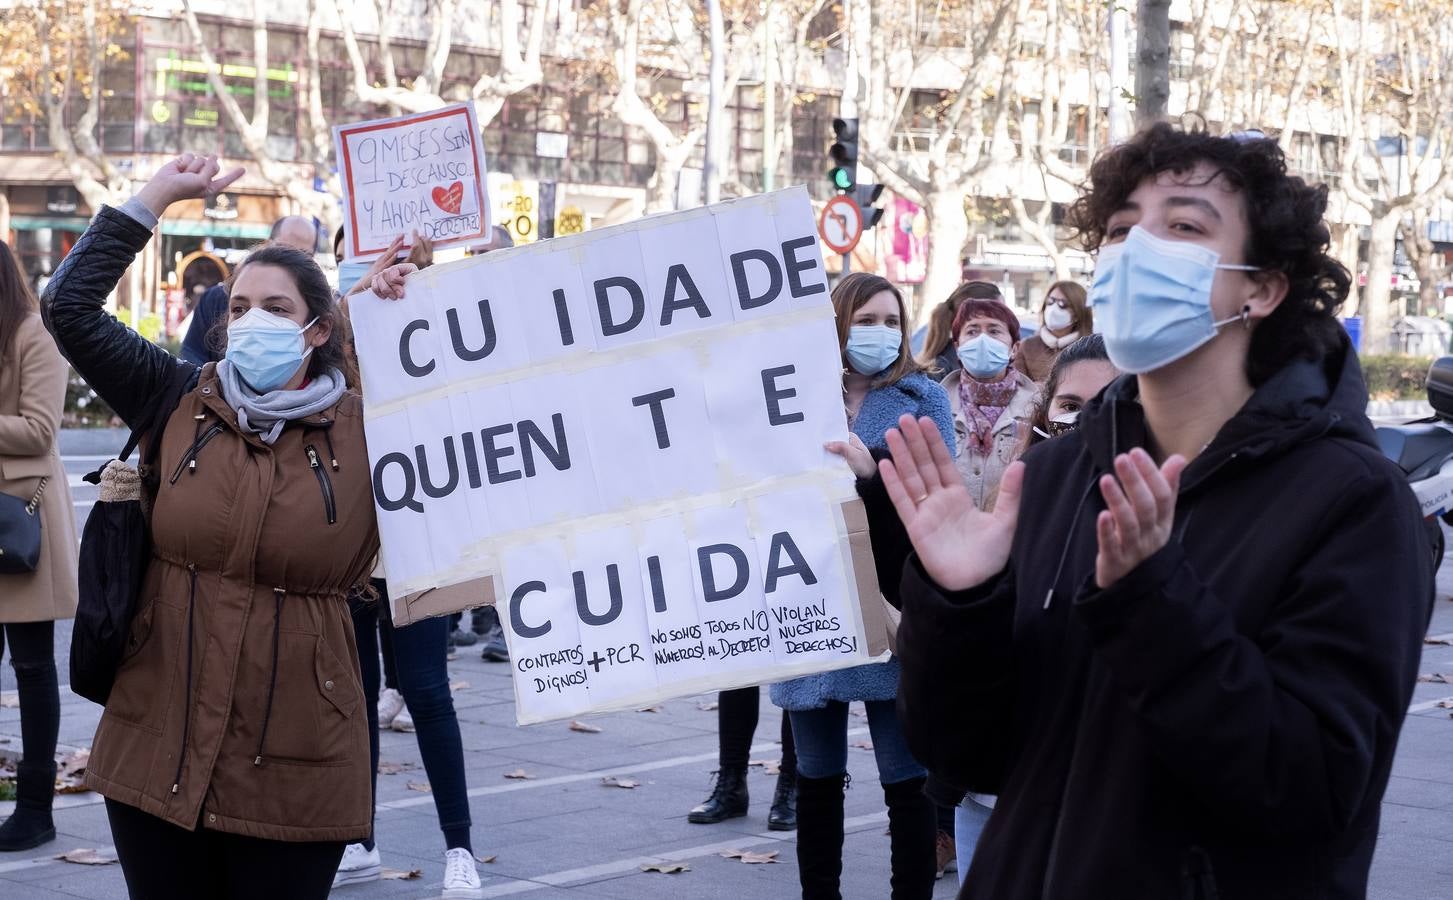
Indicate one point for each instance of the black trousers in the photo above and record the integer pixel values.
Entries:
(737, 712)
(32, 655)
(164, 862)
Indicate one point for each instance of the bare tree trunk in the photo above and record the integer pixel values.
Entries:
(1422, 254)
(948, 232)
(4, 216)
(1376, 296)
(711, 163)
(1152, 66)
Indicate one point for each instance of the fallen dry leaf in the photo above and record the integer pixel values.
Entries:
(584, 728)
(751, 857)
(86, 856)
(458, 686)
(486, 859)
(769, 766)
(10, 699)
(650, 709)
(862, 745)
(519, 774)
(394, 768)
(1436, 678)
(613, 781)
(666, 868)
(1445, 704)
(72, 788)
(1438, 639)
(74, 764)
(401, 875)
(421, 787)
(707, 707)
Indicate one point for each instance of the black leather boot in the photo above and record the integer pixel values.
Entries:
(728, 799)
(30, 825)
(820, 836)
(913, 826)
(783, 816)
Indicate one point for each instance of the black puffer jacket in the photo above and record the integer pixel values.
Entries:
(1222, 721)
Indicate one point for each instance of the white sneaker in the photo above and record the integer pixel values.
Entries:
(358, 865)
(390, 704)
(461, 879)
(402, 722)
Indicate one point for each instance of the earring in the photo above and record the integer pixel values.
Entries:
(1246, 317)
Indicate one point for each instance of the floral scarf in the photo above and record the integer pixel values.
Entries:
(982, 405)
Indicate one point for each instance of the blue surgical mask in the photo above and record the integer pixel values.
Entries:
(267, 349)
(349, 273)
(1152, 300)
(873, 348)
(984, 356)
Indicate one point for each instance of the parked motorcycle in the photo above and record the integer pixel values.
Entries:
(1424, 450)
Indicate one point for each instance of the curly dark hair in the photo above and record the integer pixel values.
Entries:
(317, 294)
(1287, 231)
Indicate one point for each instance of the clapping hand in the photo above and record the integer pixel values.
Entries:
(959, 545)
(1140, 515)
(187, 177)
(385, 261)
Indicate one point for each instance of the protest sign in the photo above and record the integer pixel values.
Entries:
(617, 437)
(423, 172)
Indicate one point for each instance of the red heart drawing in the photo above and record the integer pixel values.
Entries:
(449, 199)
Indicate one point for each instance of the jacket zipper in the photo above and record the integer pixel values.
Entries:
(324, 484)
(189, 459)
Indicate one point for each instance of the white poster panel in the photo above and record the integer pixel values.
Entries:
(627, 438)
(422, 173)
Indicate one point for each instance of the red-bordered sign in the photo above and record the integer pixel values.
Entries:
(841, 224)
(422, 172)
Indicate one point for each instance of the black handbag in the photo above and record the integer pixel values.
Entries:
(115, 550)
(20, 532)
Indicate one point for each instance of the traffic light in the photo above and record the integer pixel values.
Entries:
(844, 154)
(867, 195)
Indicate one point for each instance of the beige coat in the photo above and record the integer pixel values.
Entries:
(32, 396)
(982, 471)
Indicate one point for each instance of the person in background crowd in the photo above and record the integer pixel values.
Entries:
(289, 231)
(1168, 649)
(736, 724)
(881, 383)
(231, 751)
(990, 399)
(939, 356)
(1065, 317)
(1080, 372)
(32, 398)
(418, 654)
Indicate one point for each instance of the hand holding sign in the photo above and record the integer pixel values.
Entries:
(389, 284)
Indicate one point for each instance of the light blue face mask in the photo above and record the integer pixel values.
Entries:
(873, 348)
(984, 356)
(1152, 300)
(267, 349)
(349, 273)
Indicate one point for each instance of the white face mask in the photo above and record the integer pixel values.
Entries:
(1057, 318)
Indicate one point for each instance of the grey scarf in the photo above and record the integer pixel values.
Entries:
(266, 414)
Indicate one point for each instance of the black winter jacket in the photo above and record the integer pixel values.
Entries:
(1221, 722)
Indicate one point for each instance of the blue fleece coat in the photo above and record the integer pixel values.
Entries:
(918, 395)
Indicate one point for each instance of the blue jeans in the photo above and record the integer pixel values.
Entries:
(822, 742)
(970, 817)
(419, 656)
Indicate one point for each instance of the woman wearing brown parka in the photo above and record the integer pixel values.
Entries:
(32, 397)
(233, 751)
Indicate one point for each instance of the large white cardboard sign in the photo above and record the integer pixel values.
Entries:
(617, 437)
(422, 172)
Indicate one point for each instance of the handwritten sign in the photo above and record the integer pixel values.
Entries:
(618, 436)
(422, 172)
